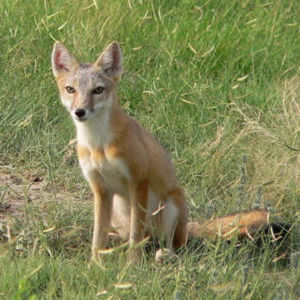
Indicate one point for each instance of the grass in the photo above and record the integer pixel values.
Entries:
(216, 81)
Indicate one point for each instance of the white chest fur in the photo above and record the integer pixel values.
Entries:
(113, 171)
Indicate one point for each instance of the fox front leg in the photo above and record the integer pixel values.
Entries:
(138, 208)
(102, 217)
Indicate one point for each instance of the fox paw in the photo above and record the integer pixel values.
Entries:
(165, 254)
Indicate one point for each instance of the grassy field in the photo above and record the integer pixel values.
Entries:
(217, 82)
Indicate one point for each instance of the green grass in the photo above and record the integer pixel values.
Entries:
(216, 81)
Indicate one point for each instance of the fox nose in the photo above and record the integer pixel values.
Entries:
(80, 113)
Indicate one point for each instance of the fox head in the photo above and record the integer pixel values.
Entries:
(86, 90)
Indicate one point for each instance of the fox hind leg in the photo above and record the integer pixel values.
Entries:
(169, 222)
(180, 230)
(174, 227)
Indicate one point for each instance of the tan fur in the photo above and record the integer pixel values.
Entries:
(245, 224)
(122, 162)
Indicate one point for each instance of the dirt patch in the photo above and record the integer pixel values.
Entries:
(17, 190)
(20, 190)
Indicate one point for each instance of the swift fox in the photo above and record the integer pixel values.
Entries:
(132, 178)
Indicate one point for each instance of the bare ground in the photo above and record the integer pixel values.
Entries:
(18, 191)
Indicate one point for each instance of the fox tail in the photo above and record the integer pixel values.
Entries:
(244, 225)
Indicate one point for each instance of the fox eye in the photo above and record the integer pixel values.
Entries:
(70, 89)
(98, 90)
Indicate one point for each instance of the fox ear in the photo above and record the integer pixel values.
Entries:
(110, 61)
(62, 60)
